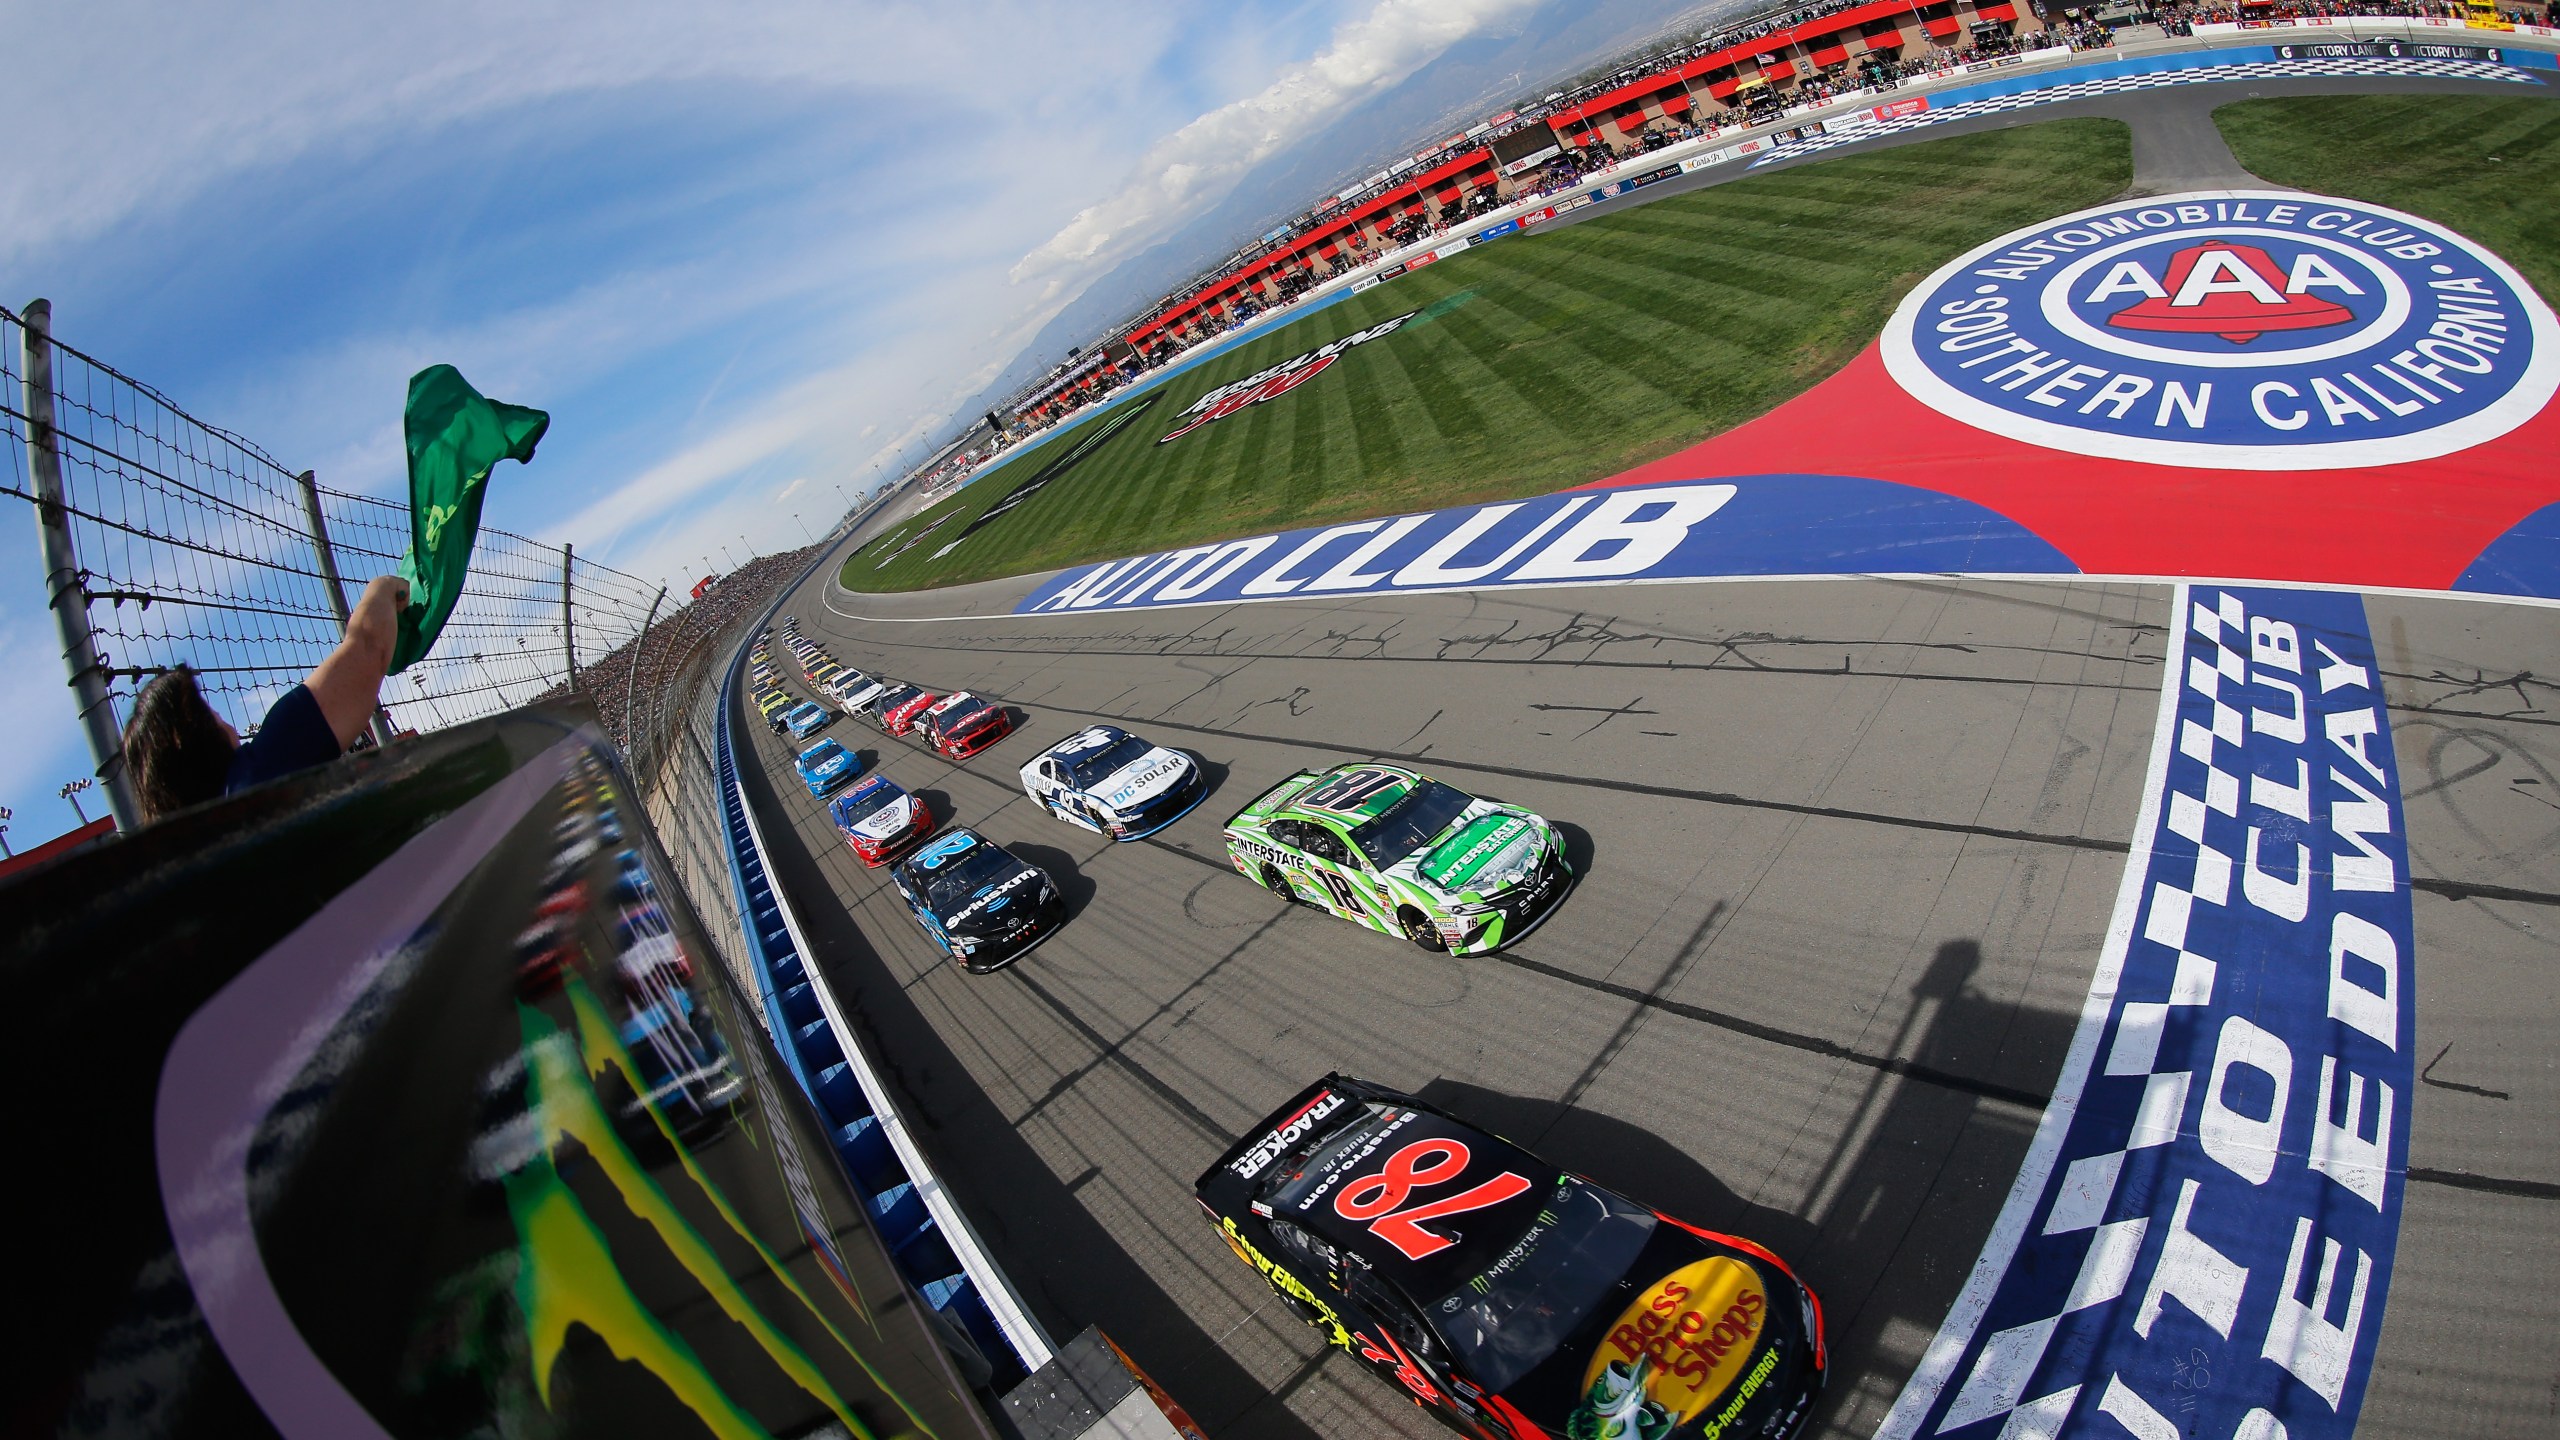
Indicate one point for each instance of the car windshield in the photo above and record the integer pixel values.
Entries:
(950, 887)
(819, 755)
(861, 805)
(1425, 811)
(1510, 1316)
(892, 699)
(950, 719)
(1102, 764)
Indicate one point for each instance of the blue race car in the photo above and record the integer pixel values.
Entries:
(979, 904)
(826, 765)
(807, 719)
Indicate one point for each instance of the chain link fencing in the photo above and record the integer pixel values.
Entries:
(169, 540)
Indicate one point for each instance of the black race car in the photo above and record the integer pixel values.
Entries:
(1515, 1300)
(980, 905)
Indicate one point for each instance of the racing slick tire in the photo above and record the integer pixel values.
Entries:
(1420, 930)
(1093, 813)
(1277, 883)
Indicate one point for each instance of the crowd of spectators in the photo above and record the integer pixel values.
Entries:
(651, 668)
(1598, 149)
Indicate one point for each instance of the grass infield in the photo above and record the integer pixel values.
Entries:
(2486, 165)
(1536, 363)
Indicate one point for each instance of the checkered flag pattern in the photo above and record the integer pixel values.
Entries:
(2343, 65)
(2162, 976)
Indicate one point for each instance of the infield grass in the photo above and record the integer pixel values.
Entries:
(2486, 165)
(1537, 362)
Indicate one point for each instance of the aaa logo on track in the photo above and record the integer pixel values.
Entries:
(2238, 329)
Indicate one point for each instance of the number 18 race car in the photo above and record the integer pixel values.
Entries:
(1515, 1300)
(1401, 852)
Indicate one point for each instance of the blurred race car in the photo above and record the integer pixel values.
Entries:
(856, 699)
(1110, 781)
(961, 724)
(892, 695)
(826, 765)
(879, 820)
(1511, 1298)
(807, 718)
(979, 904)
(1403, 853)
(898, 719)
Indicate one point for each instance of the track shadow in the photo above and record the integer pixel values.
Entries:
(1073, 885)
(1213, 776)
(1070, 1270)
(1885, 1225)
(1579, 848)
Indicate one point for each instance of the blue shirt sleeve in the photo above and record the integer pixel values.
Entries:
(294, 736)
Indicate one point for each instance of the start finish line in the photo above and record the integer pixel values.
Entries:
(2201, 1239)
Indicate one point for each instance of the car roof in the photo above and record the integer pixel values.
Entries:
(864, 786)
(1092, 737)
(824, 747)
(1368, 805)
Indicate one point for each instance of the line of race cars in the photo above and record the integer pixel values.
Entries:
(1384, 846)
(1509, 1299)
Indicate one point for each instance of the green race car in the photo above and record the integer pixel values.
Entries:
(1401, 852)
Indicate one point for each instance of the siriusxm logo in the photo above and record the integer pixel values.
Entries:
(2266, 330)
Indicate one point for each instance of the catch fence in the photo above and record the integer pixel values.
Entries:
(169, 541)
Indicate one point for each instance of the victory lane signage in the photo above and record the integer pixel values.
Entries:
(1280, 379)
(2231, 330)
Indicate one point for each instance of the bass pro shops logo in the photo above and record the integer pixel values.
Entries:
(2231, 330)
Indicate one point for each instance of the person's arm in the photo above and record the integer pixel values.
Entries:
(348, 684)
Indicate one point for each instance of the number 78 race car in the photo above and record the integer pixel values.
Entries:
(1403, 853)
(1513, 1299)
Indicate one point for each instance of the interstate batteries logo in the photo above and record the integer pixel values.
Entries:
(2236, 329)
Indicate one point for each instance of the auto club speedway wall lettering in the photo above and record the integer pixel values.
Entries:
(2201, 1239)
(1279, 379)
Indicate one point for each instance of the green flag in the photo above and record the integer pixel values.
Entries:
(456, 437)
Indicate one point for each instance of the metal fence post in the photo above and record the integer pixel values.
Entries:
(64, 591)
(568, 634)
(336, 589)
(631, 681)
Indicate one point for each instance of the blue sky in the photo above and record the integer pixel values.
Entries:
(740, 255)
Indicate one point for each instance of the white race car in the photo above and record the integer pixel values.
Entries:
(1111, 782)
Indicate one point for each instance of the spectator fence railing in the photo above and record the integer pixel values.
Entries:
(168, 540)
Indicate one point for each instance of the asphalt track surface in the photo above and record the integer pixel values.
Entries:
(1850, 850)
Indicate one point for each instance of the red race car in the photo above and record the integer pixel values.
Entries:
(901, 717)
(962, 725)
(879, 820)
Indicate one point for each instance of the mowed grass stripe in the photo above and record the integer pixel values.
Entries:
(1577, 352)
(2486, 165)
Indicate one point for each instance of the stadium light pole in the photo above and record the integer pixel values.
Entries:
(71, 791)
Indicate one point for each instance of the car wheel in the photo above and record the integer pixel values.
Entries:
(1420, 931)
(1278, 883)
(1093, 815)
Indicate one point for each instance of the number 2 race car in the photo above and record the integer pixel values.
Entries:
(1513, 1299)
(1401, 852)
(977, 903)
(1108, 780)
(879, 820)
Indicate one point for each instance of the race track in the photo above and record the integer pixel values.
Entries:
(1851, 849)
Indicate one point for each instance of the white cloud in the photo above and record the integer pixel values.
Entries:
(1202, 162)
(790, 490)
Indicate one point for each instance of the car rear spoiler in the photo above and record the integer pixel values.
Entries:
(1269, 799)
(1221, 1170)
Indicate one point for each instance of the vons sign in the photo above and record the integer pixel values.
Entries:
(2255, 330)
(1279, 380)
